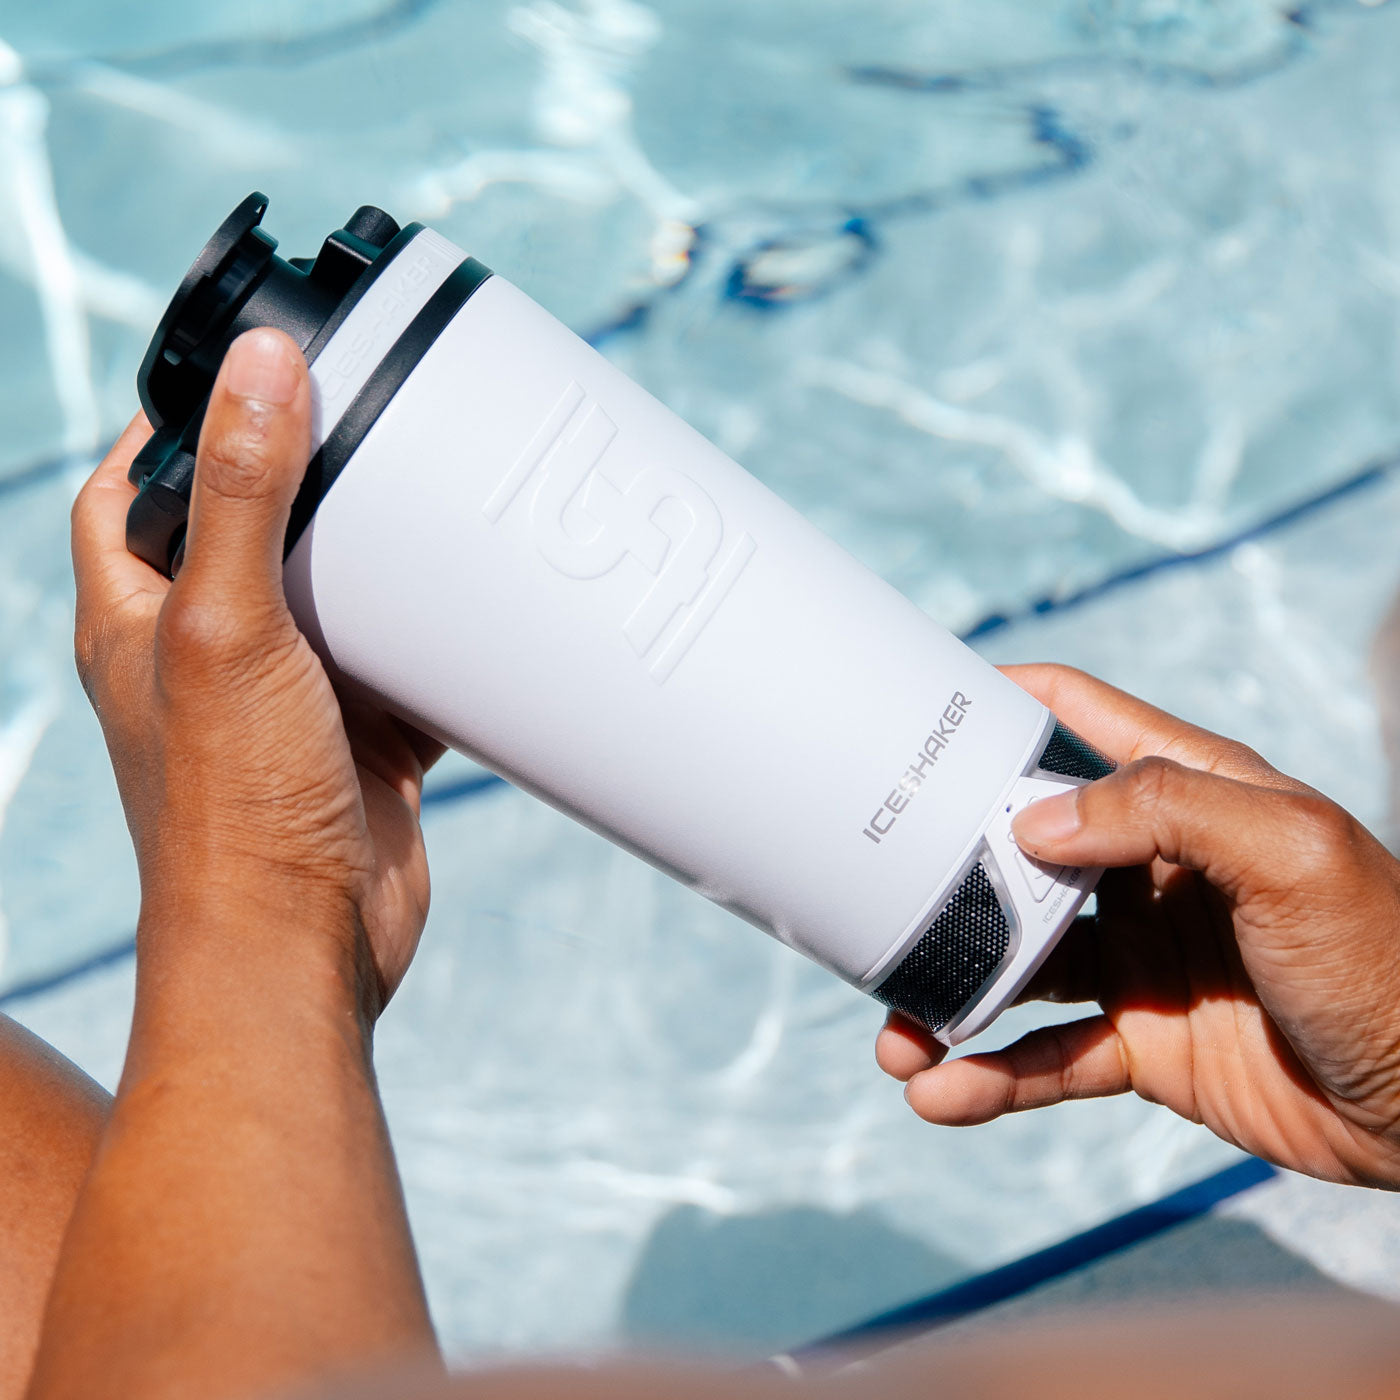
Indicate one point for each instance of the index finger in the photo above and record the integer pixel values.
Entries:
(107, 574)
(1126, 728)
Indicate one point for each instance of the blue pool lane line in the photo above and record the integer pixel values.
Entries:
(1371, 475)
(474, 785)
(36, 473)
(444, 795)
(277, 49)
(1059, 1260)
(94, 962)
(463, 789)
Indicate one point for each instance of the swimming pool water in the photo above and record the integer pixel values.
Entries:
(1075, 320)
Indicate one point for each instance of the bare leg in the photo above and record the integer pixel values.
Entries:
(51, 1115)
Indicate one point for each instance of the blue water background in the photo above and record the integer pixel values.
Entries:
(1076, 319)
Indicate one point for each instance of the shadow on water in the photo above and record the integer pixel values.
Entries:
(760, 1283)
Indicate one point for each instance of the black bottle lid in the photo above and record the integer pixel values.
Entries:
(236, 283)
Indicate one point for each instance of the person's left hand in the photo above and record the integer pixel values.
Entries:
(246, 779)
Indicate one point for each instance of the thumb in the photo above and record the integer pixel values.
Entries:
(1232, 832)
(253, 452)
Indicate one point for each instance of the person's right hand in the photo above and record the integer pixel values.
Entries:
(1248, 968)
(248, 783)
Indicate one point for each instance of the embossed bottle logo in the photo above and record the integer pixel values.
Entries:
(585, 524)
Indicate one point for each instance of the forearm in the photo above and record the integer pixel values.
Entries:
(243, 1226)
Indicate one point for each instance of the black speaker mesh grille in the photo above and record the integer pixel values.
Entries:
(964, 945)
(1067, 753)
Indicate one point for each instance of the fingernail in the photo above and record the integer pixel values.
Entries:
(1048, 821)
(258, 366)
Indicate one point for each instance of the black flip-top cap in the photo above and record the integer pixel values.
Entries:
(170, 381)
(237, 282)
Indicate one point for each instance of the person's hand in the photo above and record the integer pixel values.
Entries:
(247, 781)
(1248, 967)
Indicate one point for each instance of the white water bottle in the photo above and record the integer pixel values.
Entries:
(504, 540)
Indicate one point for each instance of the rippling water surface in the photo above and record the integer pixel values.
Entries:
(1076, 319)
